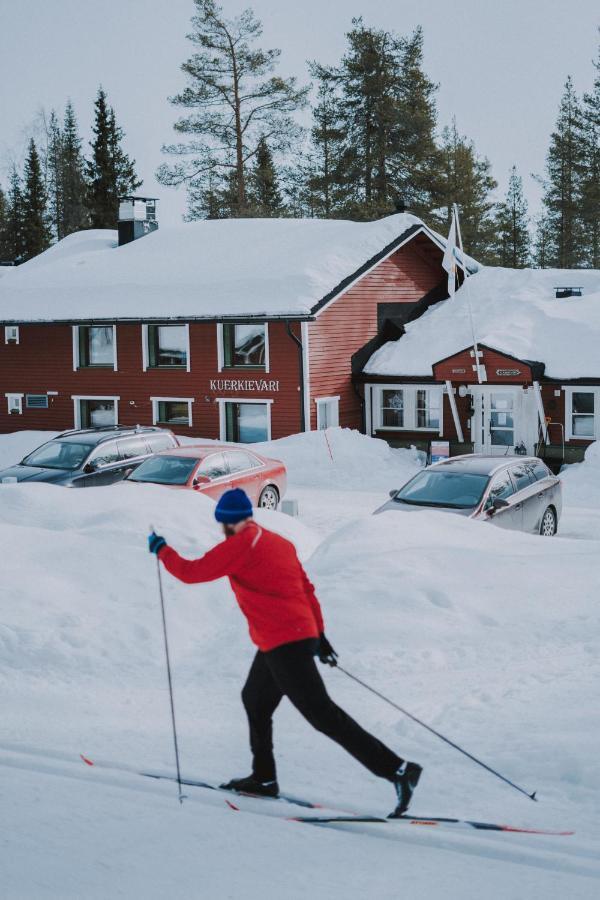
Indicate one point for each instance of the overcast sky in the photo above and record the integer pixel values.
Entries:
(500, 64)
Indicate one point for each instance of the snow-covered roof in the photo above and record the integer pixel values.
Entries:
(234, 267)
(514, 311)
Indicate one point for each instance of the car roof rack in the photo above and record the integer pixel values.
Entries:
(108, 429)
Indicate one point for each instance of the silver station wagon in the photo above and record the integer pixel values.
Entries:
(513, 492)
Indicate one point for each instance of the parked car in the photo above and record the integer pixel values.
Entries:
(212, 469)
(90, 457)
(518, 493)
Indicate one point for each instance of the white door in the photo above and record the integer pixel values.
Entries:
(497, 421)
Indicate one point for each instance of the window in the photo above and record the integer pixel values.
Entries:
(11, 334)
(96, 346)
(95, 412)
(172, 410)
(240, 462)
(36, 401)
(132, 447)
(165, 470)
(582, 414)
(168, 346)
(539, 470)
(15, 404)
(392, 409)
(428, 409)
(246, 423)
(522, 477)
(160, 441)
(438, 487)
(105, 454)
(213, 466)
(502, 487)
(58, 455)
(245, 346)
(328, 412)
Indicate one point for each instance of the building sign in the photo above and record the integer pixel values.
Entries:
(257, 385)
(459, 371)
(508, 371)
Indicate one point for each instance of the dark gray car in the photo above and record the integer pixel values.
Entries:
(90, 457)
(513, 492)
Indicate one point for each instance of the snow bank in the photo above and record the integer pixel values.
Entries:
(234, 267)
(17, 444)
(582, 480)
(514, 311)
(342, 458)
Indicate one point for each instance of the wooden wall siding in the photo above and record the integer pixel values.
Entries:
(351, 321)
(43, 361)
(490, 359)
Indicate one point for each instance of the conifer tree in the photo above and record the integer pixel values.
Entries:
(6, 254)
(232, 99)
(564, 170)
(54, 175)
(75, 215)
(326, 184)
(512, 226)
(265, 196)
(14, 235)
(542, 245)
(110, 172)
(37, 235)
(467, 181)
(590, 180)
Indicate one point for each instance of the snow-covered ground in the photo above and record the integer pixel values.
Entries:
(488, 635)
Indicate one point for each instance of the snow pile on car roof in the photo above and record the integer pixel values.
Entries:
(514, 311)
(205, 268)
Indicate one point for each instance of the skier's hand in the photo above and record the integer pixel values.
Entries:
(156, 542)
(325, 652)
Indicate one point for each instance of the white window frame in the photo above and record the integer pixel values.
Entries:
(223, 419)
(581, 389)
(11, 334)
(221, 348)
(410, 406)
(156, 400)
(77, 410)
(76, 345)
(15, 400)
(323, 401)
(145, 348)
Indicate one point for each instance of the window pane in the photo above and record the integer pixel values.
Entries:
(247, 422)
(165, 470)
(167, 345)
(521, 476)
(213, 466)
(238, 461)
(583, 426)
(100, 346)
(97, 413)
(173, 412)
(392, 409)
(131, 448)
(583, 403)
(244, 345)
(501, 488)
(105, 454)
(539, 470)
(428, 412)
(58, 455)
(457, 490)
(160, 441)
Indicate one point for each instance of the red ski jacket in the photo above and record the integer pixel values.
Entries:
(268, 580)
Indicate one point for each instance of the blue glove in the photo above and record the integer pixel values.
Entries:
(156, 542)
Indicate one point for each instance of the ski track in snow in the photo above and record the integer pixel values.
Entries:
(489, 636)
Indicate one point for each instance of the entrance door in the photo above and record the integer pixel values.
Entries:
(497, 422)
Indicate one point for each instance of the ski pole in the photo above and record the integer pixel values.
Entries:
(164, 621)
(437, 733)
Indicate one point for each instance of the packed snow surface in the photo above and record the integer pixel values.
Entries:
(204, 268)
(488, 635)
(514, 311)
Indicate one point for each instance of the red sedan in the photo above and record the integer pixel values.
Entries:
(214, 469)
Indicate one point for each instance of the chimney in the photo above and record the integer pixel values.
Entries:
(137, 217)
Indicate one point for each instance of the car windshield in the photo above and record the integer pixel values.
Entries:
(165, 470)
(59, 455)
(434, 487)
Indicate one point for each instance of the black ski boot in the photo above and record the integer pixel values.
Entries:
(251, 785)
(405, 782)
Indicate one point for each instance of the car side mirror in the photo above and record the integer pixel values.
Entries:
(394, 492)
(498, 503)
(89, 468)
(200, 480)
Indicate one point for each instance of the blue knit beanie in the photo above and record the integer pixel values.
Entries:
(233, 506)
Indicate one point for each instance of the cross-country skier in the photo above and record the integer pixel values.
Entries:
(286, 624)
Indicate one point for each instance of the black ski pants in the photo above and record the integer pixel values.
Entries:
(290, 671)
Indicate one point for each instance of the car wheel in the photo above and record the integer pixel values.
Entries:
(269, 498)
(548, 524)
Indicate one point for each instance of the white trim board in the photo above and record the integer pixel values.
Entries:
(223, 422)
(156, 400)
(77, 412)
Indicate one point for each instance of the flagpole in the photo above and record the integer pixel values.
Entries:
(467, 294)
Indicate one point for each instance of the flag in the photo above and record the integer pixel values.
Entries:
(450, 256)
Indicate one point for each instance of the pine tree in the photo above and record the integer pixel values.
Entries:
(75, 215)
(590, 180)
(110, 172)
(265, 196)
(6, 254)
(542, 245)
(233, 100)
(54, 175)
(14, 235)
(37, 235)
(512, 226)
(564, 168)
(467, 181)
(325, 186)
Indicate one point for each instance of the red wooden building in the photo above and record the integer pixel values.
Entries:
(236, 330)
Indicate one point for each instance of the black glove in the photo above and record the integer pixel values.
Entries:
(325, 652)
(156, 542)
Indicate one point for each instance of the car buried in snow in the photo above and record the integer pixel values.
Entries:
(213, 469)
(518, 493)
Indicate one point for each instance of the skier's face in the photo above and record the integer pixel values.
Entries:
(229, 530)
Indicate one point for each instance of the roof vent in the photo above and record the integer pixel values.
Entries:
(137, 217)
(563, 291)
